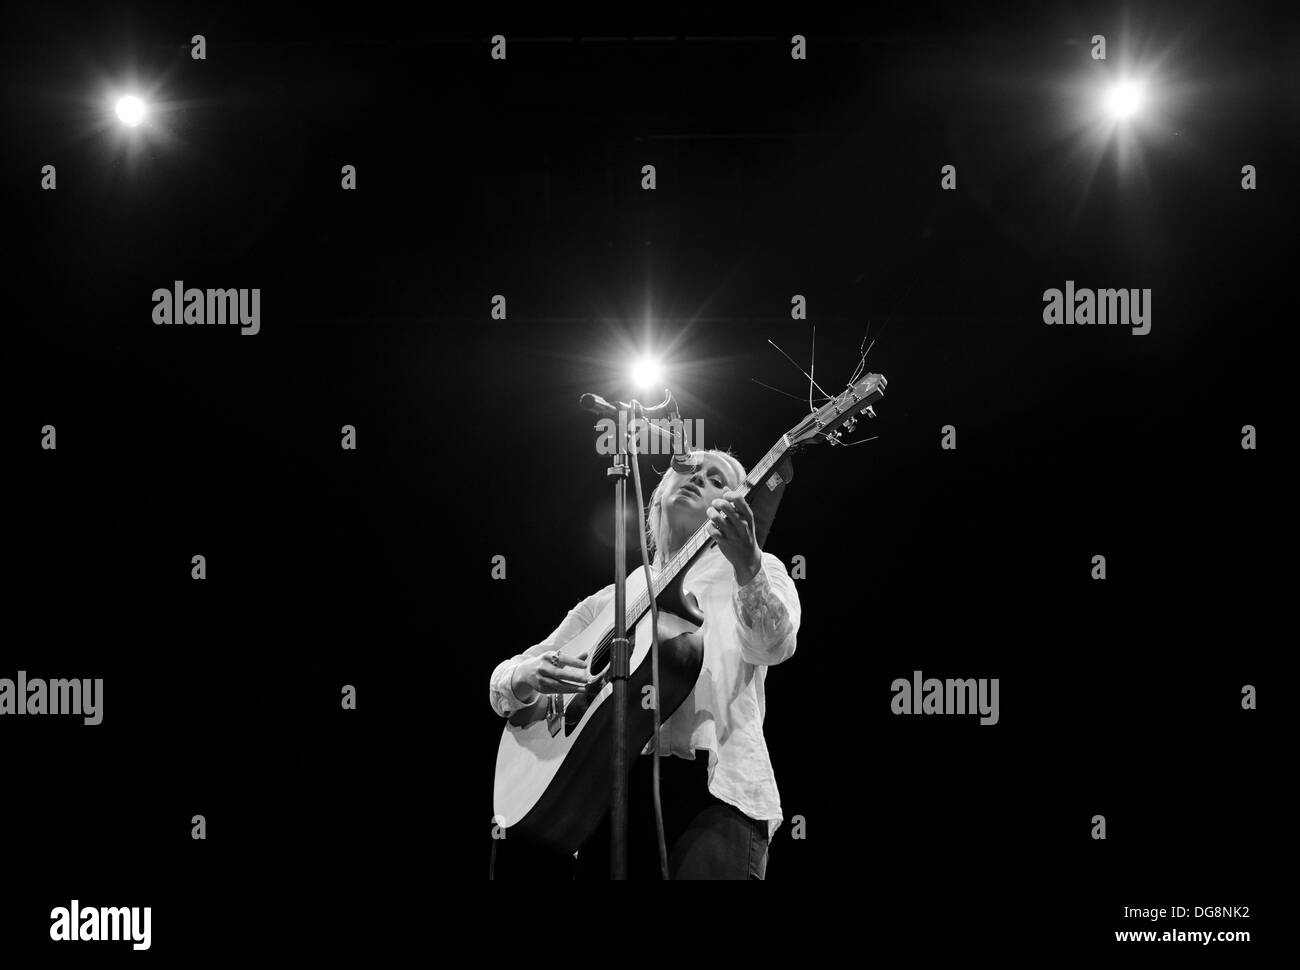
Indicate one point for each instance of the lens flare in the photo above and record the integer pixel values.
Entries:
(130, 110)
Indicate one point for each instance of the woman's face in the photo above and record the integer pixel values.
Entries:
(693, 492)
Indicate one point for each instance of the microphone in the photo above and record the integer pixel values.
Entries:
(681, 461)
(596, 404)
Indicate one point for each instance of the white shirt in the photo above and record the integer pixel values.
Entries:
(745, 630)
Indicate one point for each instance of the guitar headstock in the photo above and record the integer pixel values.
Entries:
(825, 422)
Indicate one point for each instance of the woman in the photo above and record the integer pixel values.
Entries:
(720, 811)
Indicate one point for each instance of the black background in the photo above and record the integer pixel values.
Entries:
(331, 829)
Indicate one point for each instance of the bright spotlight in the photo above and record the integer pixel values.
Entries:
(1124, 99)
(646, 373)
(130, 110)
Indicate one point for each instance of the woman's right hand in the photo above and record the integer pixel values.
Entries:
(541, 675)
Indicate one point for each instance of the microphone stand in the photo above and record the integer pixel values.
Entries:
(620, 656)
(620, 660)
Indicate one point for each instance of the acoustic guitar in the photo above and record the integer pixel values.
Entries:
(554, 764)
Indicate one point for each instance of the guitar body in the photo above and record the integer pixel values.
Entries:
(553, 777)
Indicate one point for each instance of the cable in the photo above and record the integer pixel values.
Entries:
(654, 648)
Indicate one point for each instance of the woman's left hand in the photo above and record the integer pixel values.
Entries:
(731, 522)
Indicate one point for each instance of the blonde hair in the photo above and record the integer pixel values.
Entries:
(656, 516)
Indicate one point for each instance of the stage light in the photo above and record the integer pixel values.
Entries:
(646, 373)
(1124, 99)
(130, 110)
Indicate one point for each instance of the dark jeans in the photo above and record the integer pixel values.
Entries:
(706, 838)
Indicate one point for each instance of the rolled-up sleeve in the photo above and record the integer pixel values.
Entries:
(767, 614)
(503, 698)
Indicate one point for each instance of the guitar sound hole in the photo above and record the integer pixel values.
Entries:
(601, 660)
